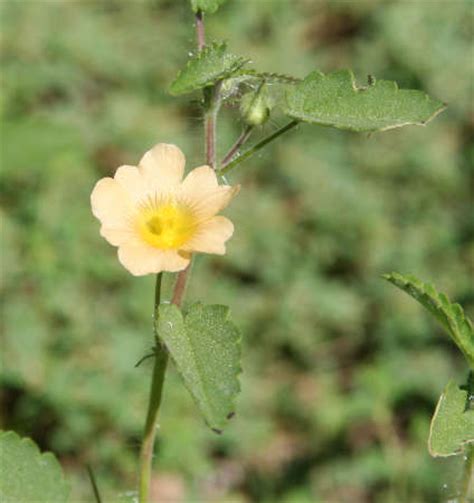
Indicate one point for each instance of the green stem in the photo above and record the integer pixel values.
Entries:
(258, 146)
(212, 100)
(161, 360)
(94, 485)
(237, 145)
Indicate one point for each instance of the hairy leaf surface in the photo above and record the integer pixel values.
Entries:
(206, 68)
(452, 426)
(27, 475)
(205, 346)
(335, 100)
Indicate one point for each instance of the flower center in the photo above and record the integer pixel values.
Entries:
(167, 225)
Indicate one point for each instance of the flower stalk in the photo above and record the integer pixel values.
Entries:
(237, 145)
(158, 377)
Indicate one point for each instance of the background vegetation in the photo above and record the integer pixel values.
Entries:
(341, 370)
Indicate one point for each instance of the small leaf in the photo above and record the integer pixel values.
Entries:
(209, 6)
(452, 426)
(205, 347)
(206, 68)
(335, 100)
(27, 475)
(450, 315)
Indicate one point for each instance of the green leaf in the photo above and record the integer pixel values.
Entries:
(450, 315)
(205, 347)
(209, 6)
(206, 68)
(335, 100)
(452, 426)
(26, 475)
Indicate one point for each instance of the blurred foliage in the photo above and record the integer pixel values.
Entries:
(341, 371)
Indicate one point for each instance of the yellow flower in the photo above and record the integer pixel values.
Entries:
(158, 220)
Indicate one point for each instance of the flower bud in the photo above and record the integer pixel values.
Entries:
(255, 107)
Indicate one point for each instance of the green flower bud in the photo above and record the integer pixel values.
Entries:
(255, 107)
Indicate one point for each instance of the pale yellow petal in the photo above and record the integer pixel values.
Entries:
(175, 260)
(211, 236)
(111, 204)
(199, 180)
(140, 259)
(163, 167)
(117, 236)
(206, 205)
(133, 183)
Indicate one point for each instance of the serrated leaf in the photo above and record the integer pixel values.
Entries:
(209, 6)
(26, 475)
(205, 347)
(335, 100)
(206, 68)
(452, 426)
(450, 315)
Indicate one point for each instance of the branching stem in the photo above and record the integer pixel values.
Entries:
(226, 167)
(237, 145)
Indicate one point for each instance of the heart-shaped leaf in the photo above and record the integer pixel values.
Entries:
(205, 347)
(335, 100)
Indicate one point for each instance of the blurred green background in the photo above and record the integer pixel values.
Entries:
(341, 371)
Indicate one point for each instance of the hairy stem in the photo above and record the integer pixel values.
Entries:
(200, 33)
(159, 367)
(226, 167)
(237, 145)
(212, 101)
(210, 125)
(180, 286)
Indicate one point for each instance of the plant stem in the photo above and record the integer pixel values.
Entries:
(226, 167)
(159, 367)
(236, 146)
(94, 485)
(180, 286)
(213, 103)
(200, 33)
